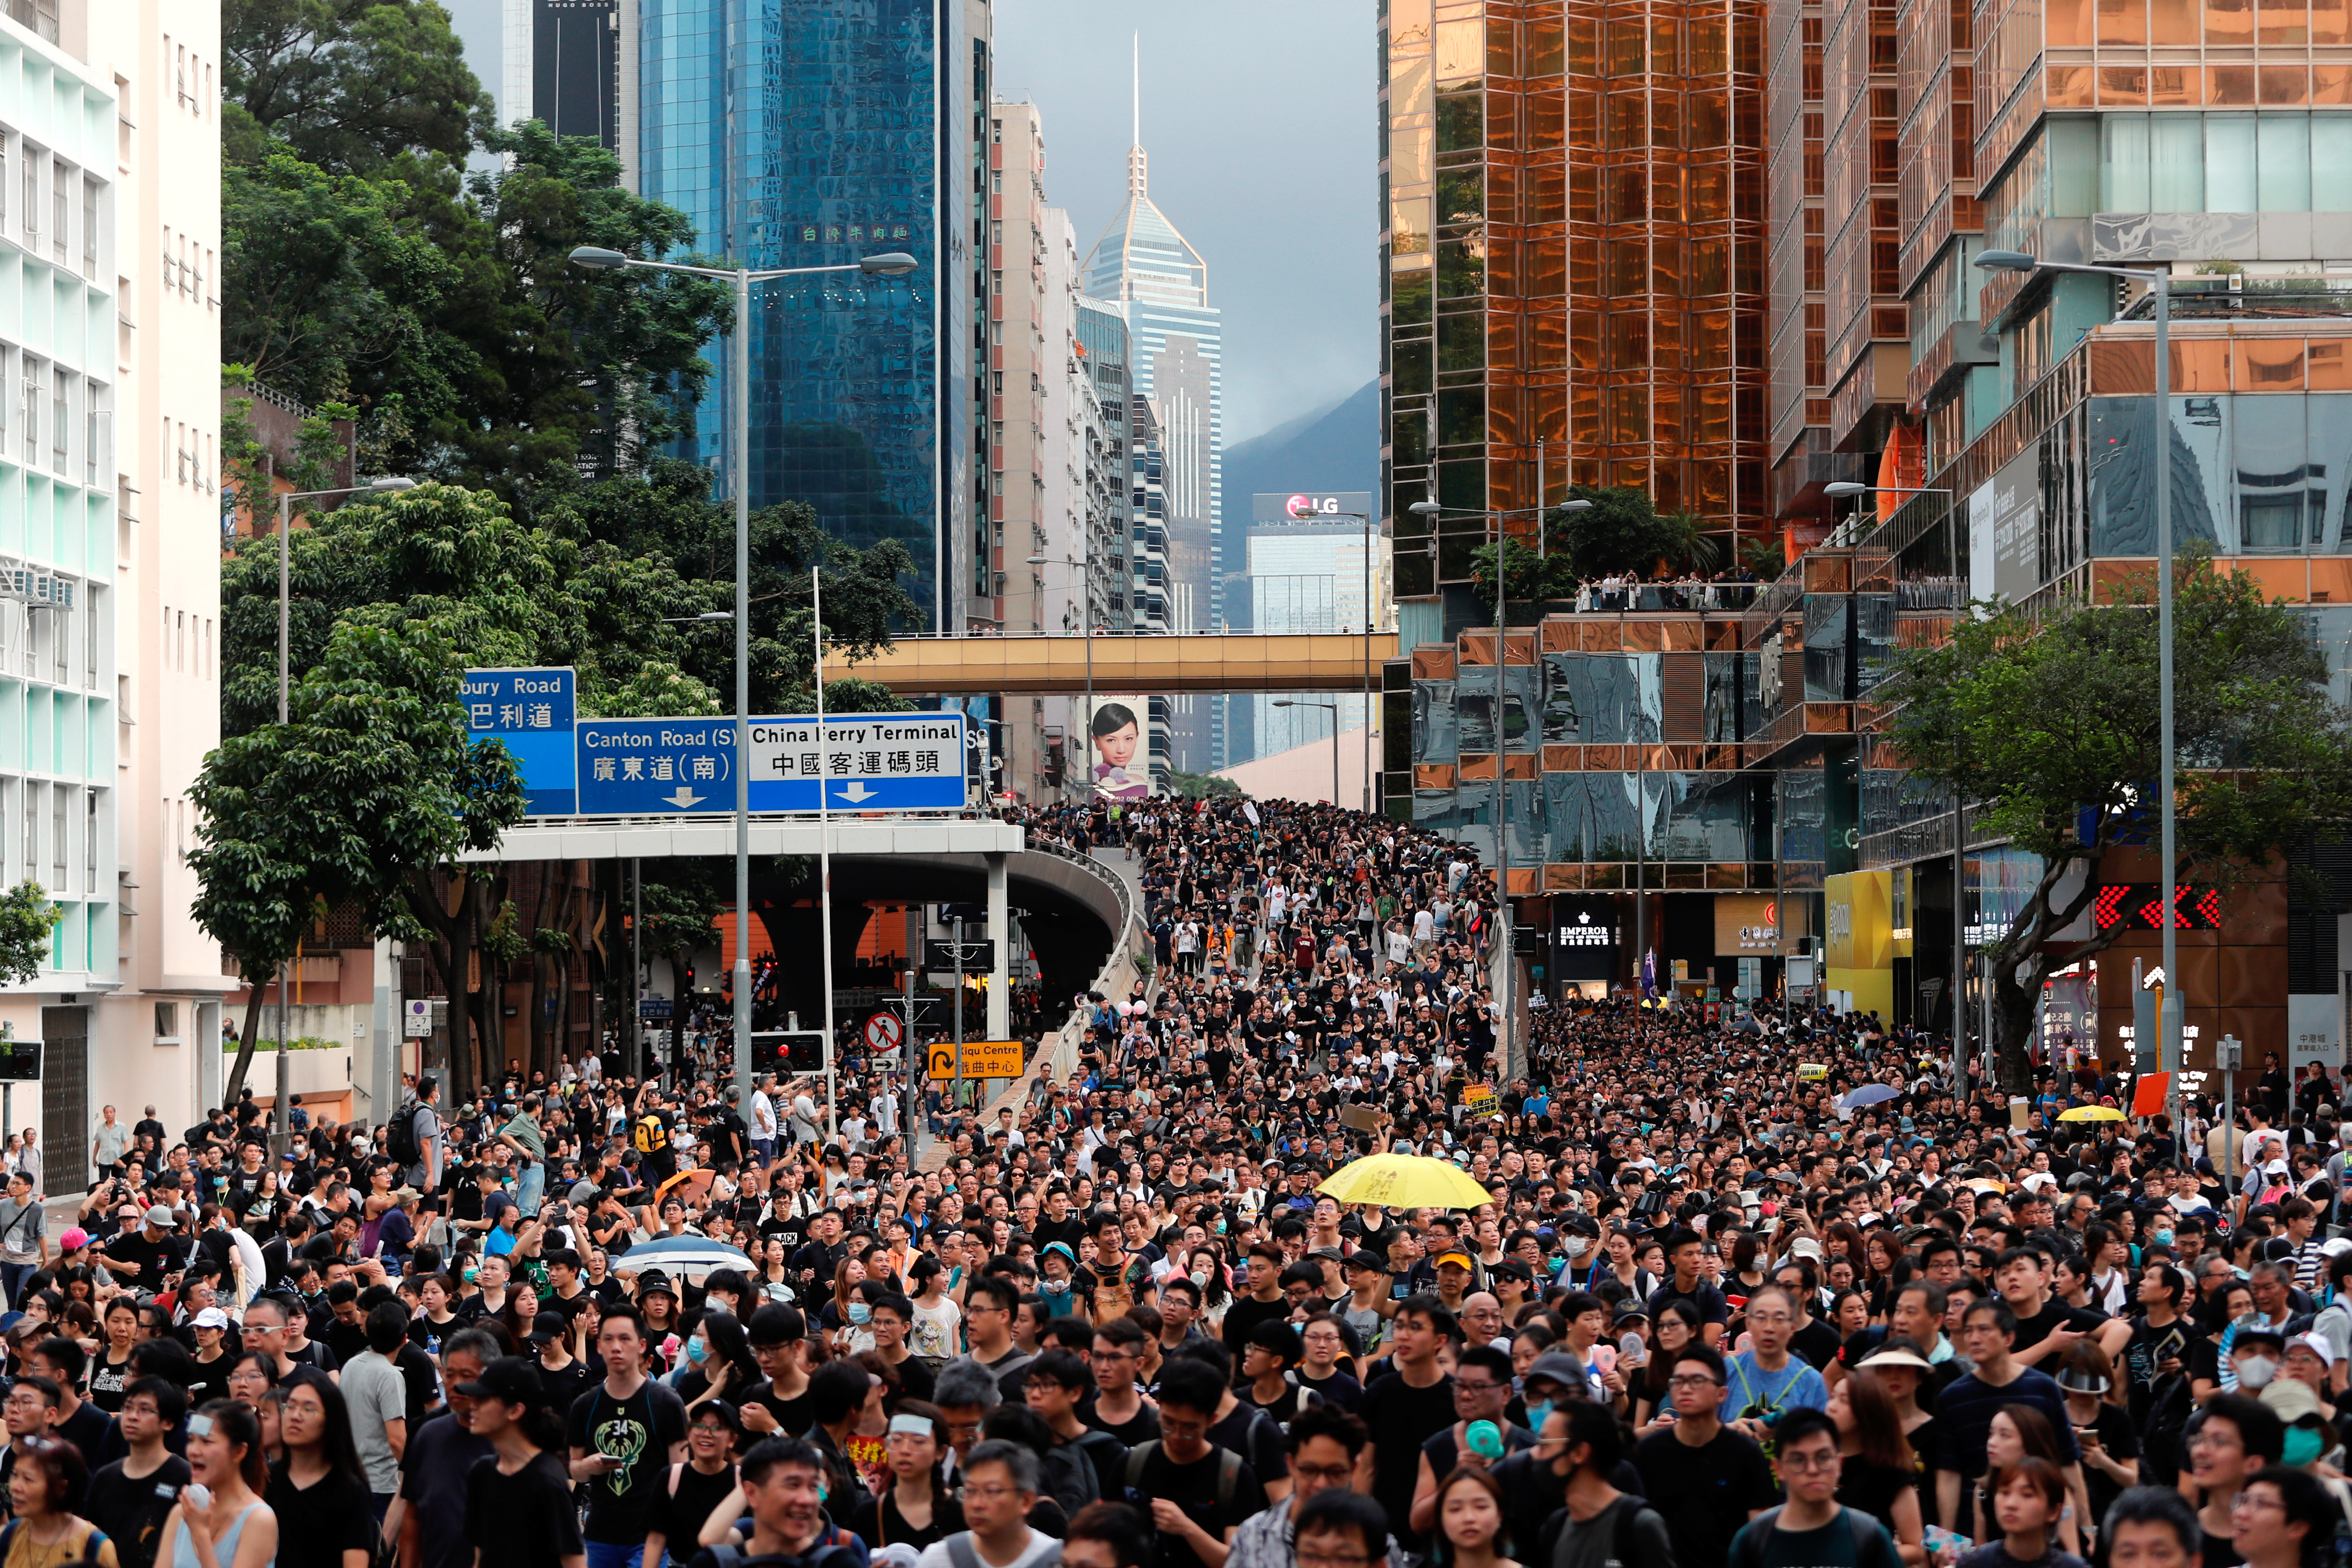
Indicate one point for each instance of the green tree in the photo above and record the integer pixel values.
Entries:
(370, 786)
(1203, 787)
(28, 924)
(1618, 530)
(2047, 723)
(348, 85)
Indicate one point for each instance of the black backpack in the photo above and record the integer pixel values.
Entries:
(836, 1549)
(400, 1138)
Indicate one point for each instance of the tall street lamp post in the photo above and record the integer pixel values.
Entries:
(1431, 511)
(2159, 285)
(391, 484)
(1959, 838)
(1333, 709)
(1086, 570)
(892, 264)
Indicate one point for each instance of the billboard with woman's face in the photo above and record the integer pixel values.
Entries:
(1119, 748)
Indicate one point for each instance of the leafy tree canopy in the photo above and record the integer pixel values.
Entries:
(2048, 724)
(1617, 531)
(348, 85)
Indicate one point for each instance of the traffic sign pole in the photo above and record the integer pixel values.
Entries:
(959, 1015)
(914, 1072)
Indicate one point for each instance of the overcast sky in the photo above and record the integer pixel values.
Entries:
(1260, 120)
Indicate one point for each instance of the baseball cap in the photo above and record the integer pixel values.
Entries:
(74, 1240)
(548, 1326)
(1366, 1259)
(1457, 1257)
(1558, 1365)
(509, 1379)
(163, 1218)
(210, 1318)
(655, 1280)
(2316, 1344)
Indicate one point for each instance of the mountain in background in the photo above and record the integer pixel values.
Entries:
(1334, 448)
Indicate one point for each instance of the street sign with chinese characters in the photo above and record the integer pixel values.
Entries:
(660, 767)
(531, 712)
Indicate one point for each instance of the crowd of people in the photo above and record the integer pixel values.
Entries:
(1710, 1312)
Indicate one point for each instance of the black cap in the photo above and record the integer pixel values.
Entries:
(510, 1379)
(548, 1326)
(655, 1280)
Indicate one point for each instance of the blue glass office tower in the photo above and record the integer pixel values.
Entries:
(817, 132)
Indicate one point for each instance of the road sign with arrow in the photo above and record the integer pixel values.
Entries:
(866, 762)
(981, 1058)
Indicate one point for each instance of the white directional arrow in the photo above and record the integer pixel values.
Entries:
(685, 799)
(856, 792)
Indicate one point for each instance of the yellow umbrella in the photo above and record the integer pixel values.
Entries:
(2091, 1113)
(1405, 1182)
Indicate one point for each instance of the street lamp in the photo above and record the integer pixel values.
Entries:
(1333, 710)
(2159, 285)
(1086, 570)
(890, 264)
(1432, 510)
(390, 484)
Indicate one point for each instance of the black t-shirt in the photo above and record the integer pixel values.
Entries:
(1143, 1429)
(441, 1454)
(526, 1521)
(318, 1523)
(640, 1429)
(1403, 1417)
(106, 1384)
(685, 1504)
(1705, 1492)
(1246, 1314)
(1257, 1437)
(132, 1511)
(1816, 1344)
(795, 1414)
(2054, 1315)
(1193, 1490)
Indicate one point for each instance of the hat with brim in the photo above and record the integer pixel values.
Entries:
(1896, 1355)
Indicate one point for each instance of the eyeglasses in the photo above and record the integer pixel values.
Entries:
(1693, 1380)
(1330, 1475)
(992, 1493)
(1804, 1463)
(1479, 1387)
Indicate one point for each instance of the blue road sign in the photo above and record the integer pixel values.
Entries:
(868, 762)
(531, 712)
(659, 767)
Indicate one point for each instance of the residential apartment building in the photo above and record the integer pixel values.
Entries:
(110, 527)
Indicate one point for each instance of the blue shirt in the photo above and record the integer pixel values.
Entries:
(1796, 1386)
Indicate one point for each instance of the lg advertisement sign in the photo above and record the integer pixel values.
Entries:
(1345, 508)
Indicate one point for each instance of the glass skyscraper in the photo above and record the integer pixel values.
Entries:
(1177, 360)
(816, 133)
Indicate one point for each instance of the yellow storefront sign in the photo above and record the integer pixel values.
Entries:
(1858, 946)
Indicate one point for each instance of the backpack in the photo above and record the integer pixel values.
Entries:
(1748, 1550)
(400, 1138)
(649, 1135)
(1229, 1473)
(836, 1547)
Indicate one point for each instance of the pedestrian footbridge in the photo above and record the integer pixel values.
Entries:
(1059, 662)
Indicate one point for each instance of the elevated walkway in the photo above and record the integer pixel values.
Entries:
(1055, 663)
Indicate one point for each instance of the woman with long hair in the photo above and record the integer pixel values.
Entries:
(1879, 1473)
(1469, 1522)
(914, 1507)
(722, 1367)
(319, 1490)
(1205, 1267)
(2027, 1494)
(772, 1279)
(521, 1314)
(109, 1370)
(231, 1527)
(49, 1474)
(2018, 1432)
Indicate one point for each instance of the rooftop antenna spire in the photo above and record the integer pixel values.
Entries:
(1137, 175)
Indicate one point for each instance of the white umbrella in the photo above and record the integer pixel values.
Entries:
(692, 1257)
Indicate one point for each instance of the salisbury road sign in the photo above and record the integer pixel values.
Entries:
(530, 713)
(981, 1058)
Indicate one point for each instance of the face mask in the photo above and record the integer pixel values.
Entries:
(859, 1312)
(697, 1350)
(471, 1271)
(1578, 1246)
(2256, 1372)
(2162, 1238)
(2302, 1445)
(1538, 1411)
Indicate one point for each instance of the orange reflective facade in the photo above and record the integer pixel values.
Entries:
(1575, 258)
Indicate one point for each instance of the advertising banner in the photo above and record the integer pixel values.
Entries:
(1119, 748)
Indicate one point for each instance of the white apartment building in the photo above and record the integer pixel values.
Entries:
(110, 547)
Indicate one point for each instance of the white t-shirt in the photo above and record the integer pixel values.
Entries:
(763, 1114)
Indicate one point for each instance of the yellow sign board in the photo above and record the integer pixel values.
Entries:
(1812, 1072)
(1479, 1100)
(981, 1058)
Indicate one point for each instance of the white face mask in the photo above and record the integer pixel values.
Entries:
(2256, 1372)
(1578, 1246)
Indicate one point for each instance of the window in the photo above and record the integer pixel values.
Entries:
(59, 208)
(90, 639)
(58, 846)
(32, 862)
(32, 410)
(167, 1021)
(57, 415)
(89, 229)
(89, 842)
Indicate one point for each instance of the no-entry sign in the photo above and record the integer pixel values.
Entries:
(884, 1031)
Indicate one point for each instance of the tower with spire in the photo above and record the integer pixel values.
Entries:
(1145, 268)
